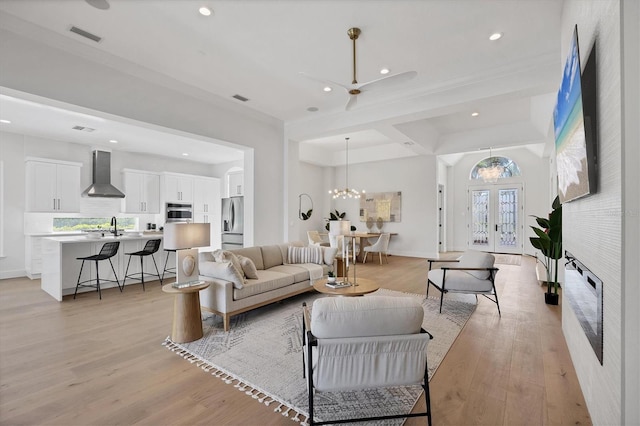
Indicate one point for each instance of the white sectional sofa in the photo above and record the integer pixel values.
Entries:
(273, 278)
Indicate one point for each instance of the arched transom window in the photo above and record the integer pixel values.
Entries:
(491, 169)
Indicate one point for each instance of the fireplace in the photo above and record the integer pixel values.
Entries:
(583, 290)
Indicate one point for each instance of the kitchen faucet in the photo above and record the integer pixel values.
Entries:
(114, 223)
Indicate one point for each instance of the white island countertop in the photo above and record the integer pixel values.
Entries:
(60, 264)
(84, 238)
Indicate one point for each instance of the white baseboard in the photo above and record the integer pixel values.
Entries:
(12, 274)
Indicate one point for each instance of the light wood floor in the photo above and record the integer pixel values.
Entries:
(92, 362)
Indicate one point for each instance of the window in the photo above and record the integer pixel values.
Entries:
(90, 223)
(492, 168)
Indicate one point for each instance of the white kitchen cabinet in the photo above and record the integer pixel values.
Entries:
(52, 186)
(33, 257)
(178, 188)
(206, 195)
(235, 184)
(206, 206)
(142, 191)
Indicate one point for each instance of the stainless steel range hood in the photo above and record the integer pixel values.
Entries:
(101, 186)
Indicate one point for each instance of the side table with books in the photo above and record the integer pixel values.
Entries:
(187, 318)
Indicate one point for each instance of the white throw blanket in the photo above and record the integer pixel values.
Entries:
(315, 271)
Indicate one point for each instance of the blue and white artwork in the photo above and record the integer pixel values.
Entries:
(571, 149)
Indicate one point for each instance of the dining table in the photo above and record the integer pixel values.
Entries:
(362, 239)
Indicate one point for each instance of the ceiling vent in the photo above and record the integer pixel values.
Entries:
(85, 34)
(83, 128)
(240, 98)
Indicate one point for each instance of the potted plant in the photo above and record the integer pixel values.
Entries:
(335, 216)
(548, 240)
(331, 277)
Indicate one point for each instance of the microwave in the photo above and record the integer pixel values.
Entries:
(178, 212)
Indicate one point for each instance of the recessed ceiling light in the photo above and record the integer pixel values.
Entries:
(5, 121)
(384, 71)
(99, 4)
(475, 114)
(113, 141)
(327, 89)
(312, 109)
(204, 11)
(184, 154)
(495, 36)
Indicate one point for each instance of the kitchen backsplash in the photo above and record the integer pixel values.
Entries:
(35, 223)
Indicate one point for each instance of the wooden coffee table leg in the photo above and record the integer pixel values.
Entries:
(187, 319)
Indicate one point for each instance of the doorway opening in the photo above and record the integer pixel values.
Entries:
(496, 218)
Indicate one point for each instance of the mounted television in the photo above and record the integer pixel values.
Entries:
(575, 126)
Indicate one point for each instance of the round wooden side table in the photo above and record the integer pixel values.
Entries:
(364, 286)
(187, 319)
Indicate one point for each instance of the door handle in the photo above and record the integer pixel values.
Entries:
(496, 227)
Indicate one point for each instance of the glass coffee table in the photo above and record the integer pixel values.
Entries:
(364, 286)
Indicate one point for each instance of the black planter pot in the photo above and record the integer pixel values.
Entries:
(551, 298)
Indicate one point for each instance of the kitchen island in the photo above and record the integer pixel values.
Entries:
(60, 266)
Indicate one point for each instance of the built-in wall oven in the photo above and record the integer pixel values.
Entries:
(178, 212)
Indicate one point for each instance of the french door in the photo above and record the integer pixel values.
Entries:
(496, 218)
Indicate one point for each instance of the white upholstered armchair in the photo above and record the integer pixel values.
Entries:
(471, 273)
(367, 342)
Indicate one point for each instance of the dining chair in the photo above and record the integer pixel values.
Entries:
(315, 239)
(381, 246)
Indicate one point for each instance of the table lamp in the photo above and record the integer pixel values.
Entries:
(185, 238)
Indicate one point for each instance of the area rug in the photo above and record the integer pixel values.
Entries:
(262, 356)
(507, 259)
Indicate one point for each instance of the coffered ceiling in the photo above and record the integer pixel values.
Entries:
(258, 49)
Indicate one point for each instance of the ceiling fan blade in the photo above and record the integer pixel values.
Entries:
(324, 81)
(388, 81)
(353, 100)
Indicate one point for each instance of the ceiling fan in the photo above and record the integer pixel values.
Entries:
(356, 88)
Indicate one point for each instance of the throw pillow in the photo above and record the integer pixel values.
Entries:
(224, 271)
(476, 259)
(227, 256)
(329, 254)
(310, 254)
(248, 267)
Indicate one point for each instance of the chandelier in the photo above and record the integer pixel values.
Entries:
(492, 173)
(346, 192)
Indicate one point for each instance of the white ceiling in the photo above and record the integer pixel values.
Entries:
(258, 48)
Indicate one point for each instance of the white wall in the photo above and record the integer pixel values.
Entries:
(592, 226)
(630, 10)
(416, 178)
(535, 172)
(310, 180)
(33, 66)
(12, 154)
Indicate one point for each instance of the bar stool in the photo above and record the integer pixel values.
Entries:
(171, 270)
(107, 251)
(149, 249)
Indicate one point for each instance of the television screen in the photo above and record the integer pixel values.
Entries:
(575, 141)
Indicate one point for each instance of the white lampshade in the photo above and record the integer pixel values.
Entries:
(339, 227)
(178, 236)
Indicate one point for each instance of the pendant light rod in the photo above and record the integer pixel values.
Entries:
(346, 192)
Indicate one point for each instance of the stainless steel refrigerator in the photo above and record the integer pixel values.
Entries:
(232, 223)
